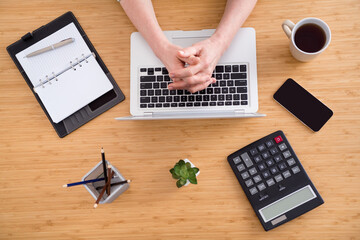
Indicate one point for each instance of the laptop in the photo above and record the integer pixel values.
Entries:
(234, 95)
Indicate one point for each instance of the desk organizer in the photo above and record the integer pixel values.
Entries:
(97, 172)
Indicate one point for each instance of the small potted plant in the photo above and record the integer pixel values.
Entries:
(185, 172)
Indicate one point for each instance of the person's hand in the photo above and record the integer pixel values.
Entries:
(197, 76)
(172, 61)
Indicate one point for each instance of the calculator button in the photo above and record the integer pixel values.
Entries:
(278, 158)
(245, 157)
(253, 151)
(274, 170)
(269, 162)
(253, 191)
(249, 183)
(286, 174)
(278, 139)
(278, 178)
(287, 154)
(257, 158)
(282, 166)
(252, 171)
(291, 161)
(295, 170)
(266, 174)
(261, 186)
(261, 166)
(282, 146)
(241, 167)
(265, 155)
(273, 151)
(245, 175)
(237, 160)
(261, 147)
(269, 143)
(257, 178)
(270, 182)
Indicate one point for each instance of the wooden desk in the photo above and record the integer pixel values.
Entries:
(35, 162)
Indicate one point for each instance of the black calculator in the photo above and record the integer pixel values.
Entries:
(274, 180)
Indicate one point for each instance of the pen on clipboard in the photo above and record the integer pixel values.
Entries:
(51, 47)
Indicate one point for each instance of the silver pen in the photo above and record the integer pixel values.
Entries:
(51, 47)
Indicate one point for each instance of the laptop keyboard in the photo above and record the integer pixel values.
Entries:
(230, 89)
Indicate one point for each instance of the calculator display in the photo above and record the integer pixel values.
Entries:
(287, 203)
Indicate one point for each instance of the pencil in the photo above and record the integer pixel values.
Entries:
(83, 182)
(104, 166)
(103, 191)
(117, 183)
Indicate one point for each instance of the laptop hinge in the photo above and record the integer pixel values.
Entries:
(239, 111)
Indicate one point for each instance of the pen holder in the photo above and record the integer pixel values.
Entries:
(115, 191)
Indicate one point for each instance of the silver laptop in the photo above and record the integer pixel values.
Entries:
(234, 95)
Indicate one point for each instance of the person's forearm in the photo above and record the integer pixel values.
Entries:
(235, 14)
(142, 15)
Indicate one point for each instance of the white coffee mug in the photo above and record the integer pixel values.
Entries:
(290, 30)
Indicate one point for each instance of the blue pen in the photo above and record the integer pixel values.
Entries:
(83, 182)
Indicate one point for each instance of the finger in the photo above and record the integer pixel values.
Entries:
(192, 60)
(178, 85)
(187, 52)
(181, 84)
(186, 72)
(200, 86)
(197, 79)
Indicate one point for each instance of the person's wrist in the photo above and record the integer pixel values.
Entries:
(161, 47)
(220, 41)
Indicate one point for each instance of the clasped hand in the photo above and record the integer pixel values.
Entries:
(191, 68)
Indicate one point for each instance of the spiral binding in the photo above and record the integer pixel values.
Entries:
(73, 65)
(41, 83)
(54, 76)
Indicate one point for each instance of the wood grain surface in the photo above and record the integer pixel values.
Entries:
(35, 162)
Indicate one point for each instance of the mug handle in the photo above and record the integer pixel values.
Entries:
(288, 26)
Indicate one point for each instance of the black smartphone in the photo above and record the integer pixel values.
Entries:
(303, 105)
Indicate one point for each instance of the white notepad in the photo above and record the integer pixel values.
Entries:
(67, 78)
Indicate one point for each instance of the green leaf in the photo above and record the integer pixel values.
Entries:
(183, 168)
(183, 172)
(182, 181)
(178, 184)
(188, 165)
(193, 180)
(177, 170)
(175, 176)
(196, 170)
(172, 171)
(181, 162)
(192, 174)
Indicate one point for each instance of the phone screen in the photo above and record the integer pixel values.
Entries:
(303, 105)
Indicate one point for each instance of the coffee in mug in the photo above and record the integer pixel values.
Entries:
(308, 38)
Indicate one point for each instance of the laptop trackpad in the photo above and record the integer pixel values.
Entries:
(186, 41)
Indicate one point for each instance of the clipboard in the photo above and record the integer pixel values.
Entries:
(91, 110)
